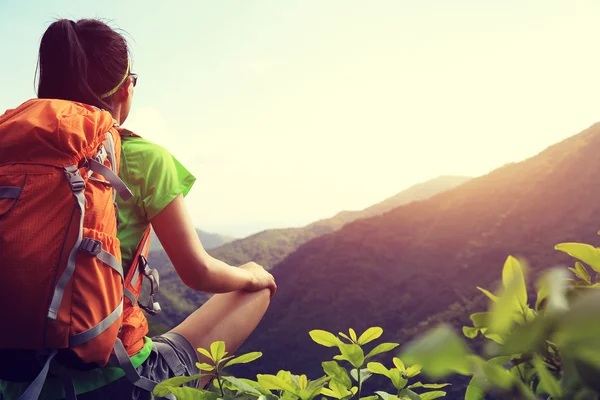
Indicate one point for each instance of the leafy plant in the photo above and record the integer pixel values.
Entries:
(550, 351)
(352, 351)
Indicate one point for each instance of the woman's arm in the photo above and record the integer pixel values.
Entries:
(198, 269)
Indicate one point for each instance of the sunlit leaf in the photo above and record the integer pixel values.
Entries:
(512, 274)
(342, 334)
(581, 272)
(204, 366)
(428, 385)
(413, 371)
(204, 352)
(489, 294)
(244, 359)
(272, 382)
(408, 394)
(583, 252)
(378, 368)
(470, 332)
(399, 364)
(397, 380)
(338, 373)
(164, 387)
(243, 386)
(323, 338)
(369, 335)
(364, 374)
(352, 335)
(217, 350)
(381, 348)
(352, 352)
(432, 395)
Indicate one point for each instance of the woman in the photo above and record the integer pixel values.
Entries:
(88, 62)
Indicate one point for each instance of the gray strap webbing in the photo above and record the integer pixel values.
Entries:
(75, 340)
(10, 192)
(124, 362)
(109, 145)
(94, 247)
(114, 180)
(35, 388)
(77, 186)
(129, 294)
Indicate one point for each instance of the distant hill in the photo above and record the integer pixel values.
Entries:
(421, 262)
(271, 246)
(209, 240)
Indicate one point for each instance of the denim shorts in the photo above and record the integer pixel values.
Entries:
(172, 355)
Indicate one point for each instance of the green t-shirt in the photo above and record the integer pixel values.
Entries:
(156, 178)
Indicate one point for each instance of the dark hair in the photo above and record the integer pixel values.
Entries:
(80, 61)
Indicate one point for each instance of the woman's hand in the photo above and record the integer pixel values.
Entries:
(261, 278)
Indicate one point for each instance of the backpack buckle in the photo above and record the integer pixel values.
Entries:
(75, 179)
(92, 246)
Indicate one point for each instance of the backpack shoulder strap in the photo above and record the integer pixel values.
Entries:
(127, 133)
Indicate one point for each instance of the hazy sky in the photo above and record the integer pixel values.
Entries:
(290, 111)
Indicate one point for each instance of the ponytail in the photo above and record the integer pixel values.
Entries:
(80, 61)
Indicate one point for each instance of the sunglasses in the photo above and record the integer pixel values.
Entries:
(134, 78)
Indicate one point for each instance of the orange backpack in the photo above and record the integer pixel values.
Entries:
(60, 259)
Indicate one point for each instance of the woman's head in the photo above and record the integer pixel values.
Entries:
(86, 61)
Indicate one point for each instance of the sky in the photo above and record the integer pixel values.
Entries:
(291, 111)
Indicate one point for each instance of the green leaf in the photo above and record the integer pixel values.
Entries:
(303, 382)
(217, 350)
(512, 274)
(369, 335)
(353, 335)
(492, 372)
(369, 398)
(352, 353)
(397, 380)
(243, 386)
(165, 387)
(319, 382)
(364, 374)
(386, 396)
(378, 368)
(336, 390)
(509, 307)
(581, 272)
(432, 395)
(323, 338)
(440, 351)
(204, 352)
(428, 385)
(480, 319)
(408, 394)
(188, 393)
(338, 373)
(470, 332)
(489, 294)
(547, 381)
(474, 390)
(382, 348)
(244, 359)
(205, 366)
(342, 334)
(583, 252)
(272, 382)
(399, 364)
(413, 371)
